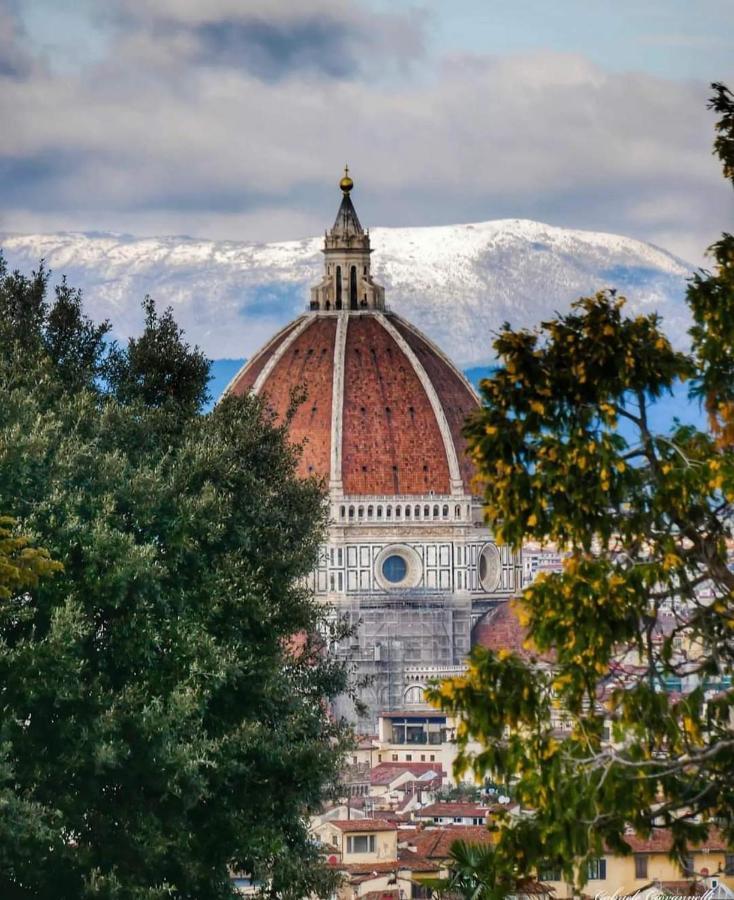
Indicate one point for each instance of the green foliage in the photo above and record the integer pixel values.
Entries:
(644, 521)
(474, 873)
(711, 298)
(21, 567)
(158, 723)
(158, 367)
(459, 793)
(31, 328)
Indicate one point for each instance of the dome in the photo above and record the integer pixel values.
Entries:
(406, 557)
(383, 408)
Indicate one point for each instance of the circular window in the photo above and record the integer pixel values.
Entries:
(398, 567)
(394, 569)
(489, 567)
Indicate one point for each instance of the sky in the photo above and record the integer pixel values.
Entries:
(232, 119)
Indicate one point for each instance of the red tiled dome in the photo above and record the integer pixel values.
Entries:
(500, 629)
(384, 407)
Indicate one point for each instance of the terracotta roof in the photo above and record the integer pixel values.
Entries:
(406, 862)
(661, 841)
(435, 843)
(363, 825)
(389, 815)
(500, 629)
(410, 860)
(394, 380)
(428, 784)
(385, 773)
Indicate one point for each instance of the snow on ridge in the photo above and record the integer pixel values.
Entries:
(458, 283)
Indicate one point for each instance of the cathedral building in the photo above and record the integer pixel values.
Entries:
(409, 562)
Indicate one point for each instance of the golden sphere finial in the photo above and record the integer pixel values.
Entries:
(346, 183)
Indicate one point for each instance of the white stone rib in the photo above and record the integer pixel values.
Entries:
(280, 353)
(337, 404)
(457, 484)
(252, 360)
(439, 352)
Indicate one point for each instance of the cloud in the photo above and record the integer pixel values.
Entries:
(228, 120)
(15, 61)
(276, 39)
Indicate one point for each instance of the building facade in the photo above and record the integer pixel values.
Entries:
(409, 563)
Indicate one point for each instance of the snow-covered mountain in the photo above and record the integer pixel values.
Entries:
(458, 283)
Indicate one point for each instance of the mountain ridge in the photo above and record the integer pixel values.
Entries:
(457, 283)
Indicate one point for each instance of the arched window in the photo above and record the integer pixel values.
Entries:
(370, 511)
(342, 512)
(435, 512)
(353, 287)
(413, 695)
(417, 512)
(351, 512)
(398, 511)
(388, 512)
(360, 512)
(426, 512)
(338, 287)
(407, 512)
(379, 512)
(457, 512)
(445, 512)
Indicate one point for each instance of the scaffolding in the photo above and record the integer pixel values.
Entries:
(406, 630)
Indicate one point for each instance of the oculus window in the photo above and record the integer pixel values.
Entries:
(394, 569)
(489, 568)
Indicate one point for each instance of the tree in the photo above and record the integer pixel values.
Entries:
(641, 618)
(31, 328)
(472, 872)
(21, 568)
(159, 725)
(159, 366)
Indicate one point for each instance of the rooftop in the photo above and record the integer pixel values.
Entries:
(435, 843)
(363, 825)
(661, 841)
(385, 773)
